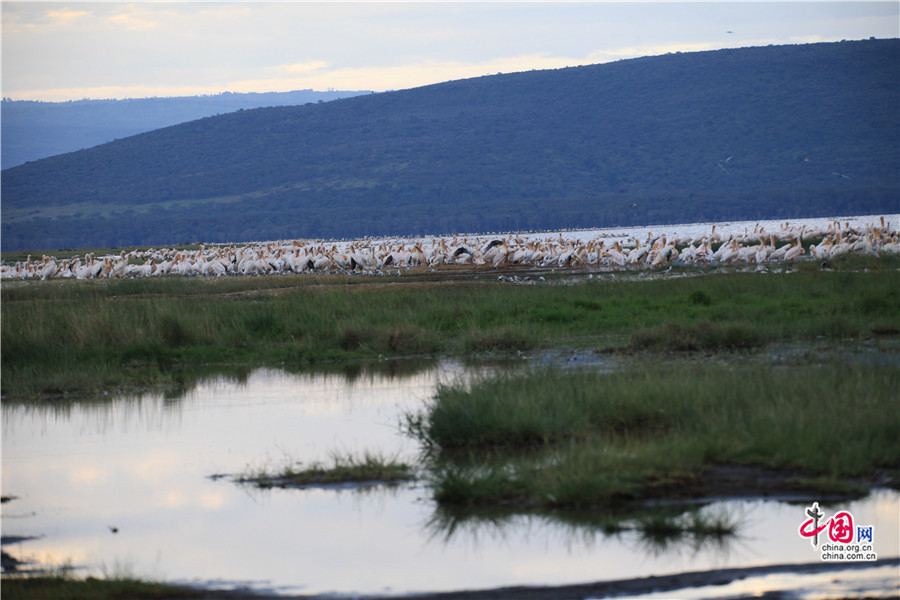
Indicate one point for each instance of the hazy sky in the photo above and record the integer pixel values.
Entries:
(73, 50)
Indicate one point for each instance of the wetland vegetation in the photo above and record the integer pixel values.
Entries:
(371, 468)
(65, 337)
(588, 440)
(697, 385)
(790, 372)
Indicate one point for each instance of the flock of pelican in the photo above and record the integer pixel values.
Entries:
(604, 250)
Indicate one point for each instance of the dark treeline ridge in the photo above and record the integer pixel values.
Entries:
(34, 129)
(751, 133)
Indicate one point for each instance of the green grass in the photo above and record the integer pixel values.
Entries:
(584, 439)
(700, 384)
(86, 336)
(345, 468)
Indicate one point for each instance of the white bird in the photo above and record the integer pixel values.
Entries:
(794, 252)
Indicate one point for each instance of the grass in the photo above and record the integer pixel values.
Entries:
(700, 336)
(693, 393)
(65, 587)
(345, 468)
(585, 439)
(88, 336)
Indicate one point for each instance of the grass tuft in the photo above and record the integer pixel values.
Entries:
(345, 468)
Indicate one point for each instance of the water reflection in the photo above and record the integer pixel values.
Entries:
(160, 410)
(142, 464)
(646, 532)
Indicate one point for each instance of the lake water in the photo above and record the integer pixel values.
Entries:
(147, 464)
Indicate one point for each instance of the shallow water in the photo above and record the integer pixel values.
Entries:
(877, 582)
(145, 464)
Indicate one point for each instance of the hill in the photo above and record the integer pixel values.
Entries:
(751, 133)
(32, 130)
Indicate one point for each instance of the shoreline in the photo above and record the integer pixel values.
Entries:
(638, 586)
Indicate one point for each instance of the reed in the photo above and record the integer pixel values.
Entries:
(82, 336)
(586, 439)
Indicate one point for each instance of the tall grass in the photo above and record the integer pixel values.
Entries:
(579, 439)
(87, 335)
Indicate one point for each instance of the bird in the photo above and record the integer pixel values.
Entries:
(795, 251)
(365, 257)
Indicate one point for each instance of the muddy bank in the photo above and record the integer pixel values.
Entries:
(600, 589)
(647, 585)
(742, 482)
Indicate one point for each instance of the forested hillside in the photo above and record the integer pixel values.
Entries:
(769, 132)
(32, 130)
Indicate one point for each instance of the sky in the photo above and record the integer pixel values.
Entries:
(68, 51)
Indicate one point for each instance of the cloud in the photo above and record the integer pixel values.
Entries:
(304, 67)
(65, 16)
(132, 22)
(318, 75)
(61, 52)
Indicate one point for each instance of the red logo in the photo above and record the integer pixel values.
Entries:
(840, 526)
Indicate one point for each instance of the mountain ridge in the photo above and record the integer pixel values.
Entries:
(766, 132)
(34, 129)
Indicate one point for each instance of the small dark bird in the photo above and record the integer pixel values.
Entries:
(729, 31)
(114, 529)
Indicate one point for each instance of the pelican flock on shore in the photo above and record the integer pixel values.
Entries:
(602, 250)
